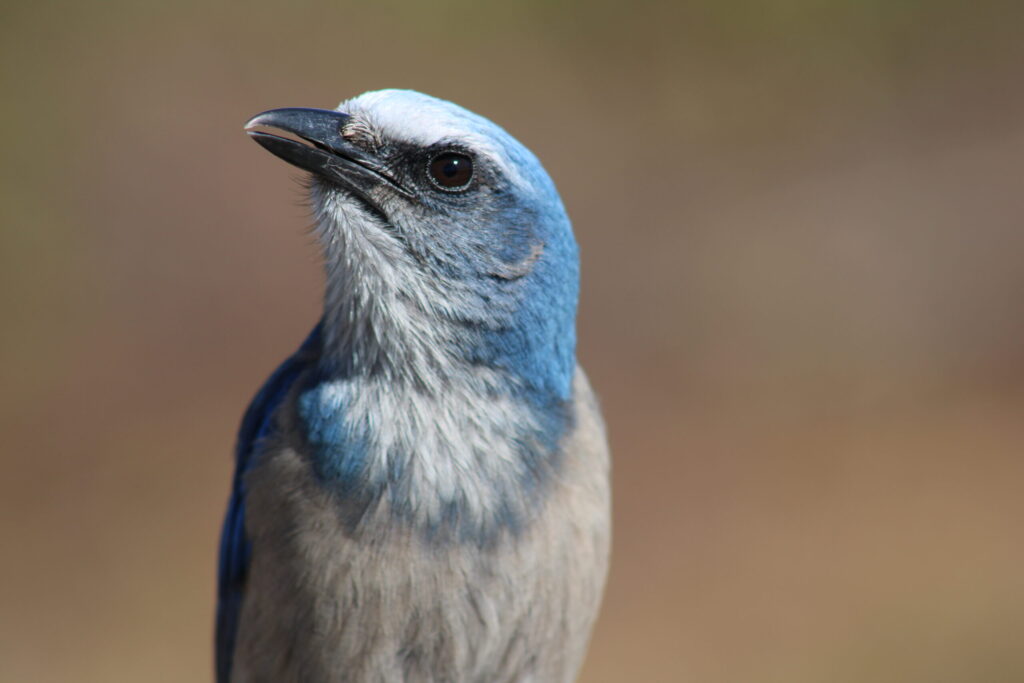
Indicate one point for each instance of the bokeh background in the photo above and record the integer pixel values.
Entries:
(803, 261)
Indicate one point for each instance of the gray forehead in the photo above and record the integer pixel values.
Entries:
(414, 118)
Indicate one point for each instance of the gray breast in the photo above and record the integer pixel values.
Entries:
(325, 602)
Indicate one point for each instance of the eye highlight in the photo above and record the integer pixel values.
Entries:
(450, 171)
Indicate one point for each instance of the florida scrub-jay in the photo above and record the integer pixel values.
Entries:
(421, 490)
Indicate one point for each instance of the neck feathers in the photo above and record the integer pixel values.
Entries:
(463, 464)
(437, 399)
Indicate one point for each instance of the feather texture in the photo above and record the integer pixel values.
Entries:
(421, 490)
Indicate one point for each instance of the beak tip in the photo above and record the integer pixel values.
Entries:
(253, 123)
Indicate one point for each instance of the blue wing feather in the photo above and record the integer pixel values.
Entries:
(234, 545)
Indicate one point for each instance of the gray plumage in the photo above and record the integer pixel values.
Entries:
(383, 605)
(423, 489)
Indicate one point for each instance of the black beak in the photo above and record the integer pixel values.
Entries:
(328, 155)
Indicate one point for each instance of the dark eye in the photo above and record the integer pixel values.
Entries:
(451, 171)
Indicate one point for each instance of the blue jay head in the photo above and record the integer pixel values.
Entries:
(446, 244)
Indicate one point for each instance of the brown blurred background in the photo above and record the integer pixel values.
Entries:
(803, 267)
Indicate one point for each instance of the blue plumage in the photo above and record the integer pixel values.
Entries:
(257, 424)
(421, 490)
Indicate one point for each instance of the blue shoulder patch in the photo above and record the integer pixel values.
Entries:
(234, 545)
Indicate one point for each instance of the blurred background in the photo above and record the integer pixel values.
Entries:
(803, 269)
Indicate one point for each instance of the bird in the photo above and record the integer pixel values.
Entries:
(421, 491)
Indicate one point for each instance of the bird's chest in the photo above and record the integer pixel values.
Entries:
(456, 465)
(325, 601)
